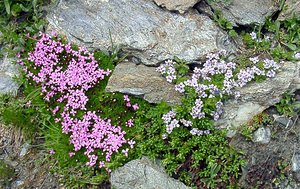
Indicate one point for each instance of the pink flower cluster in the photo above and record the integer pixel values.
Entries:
(93, 132)
(201, 82)
(128, 103)
(65, 75)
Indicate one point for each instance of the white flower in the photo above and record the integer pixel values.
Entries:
(253, 35)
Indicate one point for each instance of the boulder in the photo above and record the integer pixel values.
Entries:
(292, 8)
(140, 28)
(245, 12)
(296, 162)
(7, 72)
(283, 121)
(180, 5)
(145, 174)
(143, 81)
(262, 135)
(257, 97)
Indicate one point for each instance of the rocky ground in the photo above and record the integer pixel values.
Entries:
(23, 165)
(273, 156)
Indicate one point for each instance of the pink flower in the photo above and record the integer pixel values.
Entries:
(67, 82)
(56, 120)
(135, 106)
(71, 154)
(129, 123)
(126, 98)
(128, 104)
(55, 110)
(101, 164)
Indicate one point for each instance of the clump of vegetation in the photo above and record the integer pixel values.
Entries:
(183, 137)
(258, 121)
(25, 113)
(202, 160)
(78, 107)
(278, 38)
(6, 173)
(17, 18)
(288, 106)
(224, 24)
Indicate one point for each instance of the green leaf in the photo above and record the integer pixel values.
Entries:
(15, 9)
(292, 47)
(277, 27)
(233, 34)
(34, 94)
(296, 105)
(7, 6)
(214, 170)
(24, 8)
(34, 4)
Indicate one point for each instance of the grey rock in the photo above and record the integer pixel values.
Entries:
(143, 174)
(257, 97)
(204, 8)
(7, 72)
(245, 12)
(297, 95)
(11, 163)
(143, 81)
(288, 183)
(140, 28)
(180, 5)
(289, 187)
(24, 150)
(296, 162)
(262, 135)
(283, 120)
(231, 133)
(285, 184)
(17, 184)
(7, 85)
(293, 8)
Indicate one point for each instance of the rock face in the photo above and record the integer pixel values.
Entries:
(245, 12)
(143, 174)
(142, 81)
(7, 72)
(257, 97)
(179, 5)
(293, 8)
(139, 27)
